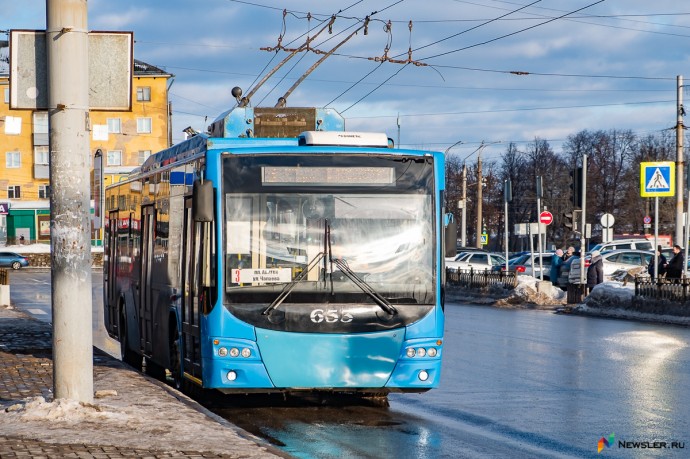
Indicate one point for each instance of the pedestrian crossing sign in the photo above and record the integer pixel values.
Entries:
(658, 179)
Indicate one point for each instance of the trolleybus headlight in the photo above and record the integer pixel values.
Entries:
(223, 351)
(246, 352)
(232, 375)
(432, 352)
(423, 375)
(421, 352)
(234, 352)
(410, 352)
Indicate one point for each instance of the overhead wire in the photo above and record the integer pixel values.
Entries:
(513, 33)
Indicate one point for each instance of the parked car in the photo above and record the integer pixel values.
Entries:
(13, 260)
(522, 264)
(630, 244)
(479, 261)
(613, 261)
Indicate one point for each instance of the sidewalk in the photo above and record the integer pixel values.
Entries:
(132, 415)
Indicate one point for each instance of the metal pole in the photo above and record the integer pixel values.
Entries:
(539, 191)
(656, 236)
(680, 164)
(463, 222)
(507, 197)
(687, 229)
(584, 220)
(68, 96)
(479, 199)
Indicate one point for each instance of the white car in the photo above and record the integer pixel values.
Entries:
(478, 261)
(613, 261)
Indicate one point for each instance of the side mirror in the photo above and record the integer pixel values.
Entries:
(202, 201)
(451, 239)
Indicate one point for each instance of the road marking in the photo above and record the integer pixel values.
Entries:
(37, 311)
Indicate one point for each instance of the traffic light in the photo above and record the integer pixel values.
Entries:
(568, 222)
(576, 191)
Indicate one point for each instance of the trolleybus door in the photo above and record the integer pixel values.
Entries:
(191, 333)
(148, 221)
(111, 271)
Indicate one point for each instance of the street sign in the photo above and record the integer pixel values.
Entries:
(546, 217)
(607, 221)
(658, 179)
(647, 220)
(485, 239)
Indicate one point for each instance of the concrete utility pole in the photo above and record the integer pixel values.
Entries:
(680, 164)
(68, 95)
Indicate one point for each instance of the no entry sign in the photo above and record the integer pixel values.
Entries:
(546, 217)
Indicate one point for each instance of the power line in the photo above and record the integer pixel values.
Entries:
(512, 33)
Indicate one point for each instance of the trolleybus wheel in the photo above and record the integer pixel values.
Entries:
(128, 356)
(153, 369)
(175, 362)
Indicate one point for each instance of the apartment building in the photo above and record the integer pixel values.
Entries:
(125, 139)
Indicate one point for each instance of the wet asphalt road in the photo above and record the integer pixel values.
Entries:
(515, 384)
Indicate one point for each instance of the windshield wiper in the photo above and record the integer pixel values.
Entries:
(366, 288)
(291, 286)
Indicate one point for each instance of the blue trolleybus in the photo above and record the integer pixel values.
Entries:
(253, 264)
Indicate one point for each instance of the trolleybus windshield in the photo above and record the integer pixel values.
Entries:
(367, 216)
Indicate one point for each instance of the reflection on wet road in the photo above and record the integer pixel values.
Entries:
(515, 383)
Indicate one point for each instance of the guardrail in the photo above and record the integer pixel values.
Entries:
(471, 278)
(4, 277)
(676, 290)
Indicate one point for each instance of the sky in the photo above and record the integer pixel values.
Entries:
(480, 71)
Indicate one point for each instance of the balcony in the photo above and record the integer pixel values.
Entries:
(41, 171)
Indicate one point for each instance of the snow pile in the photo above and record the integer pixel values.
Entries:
(615, 299)
(532, 291)
(528, 293)
(67, 411)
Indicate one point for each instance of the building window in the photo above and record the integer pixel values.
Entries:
(43, 191)
(114, 125)
(13, 160)
(144, 125)
(40, 122)
(41, 155)
(114, 158)
(14, 192)
(143, 156)
(143, 94)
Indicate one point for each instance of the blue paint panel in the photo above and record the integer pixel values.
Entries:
(299, 360)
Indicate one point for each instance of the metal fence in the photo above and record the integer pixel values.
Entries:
(676, 290)
(471, 278)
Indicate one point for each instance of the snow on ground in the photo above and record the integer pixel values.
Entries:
(37, 248)
(128, 412)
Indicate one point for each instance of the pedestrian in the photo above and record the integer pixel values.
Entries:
(595, 272)
(570, 251)
(674, 268)
(661, 264)
(556, 263)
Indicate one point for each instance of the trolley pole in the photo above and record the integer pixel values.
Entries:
(68, 96)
